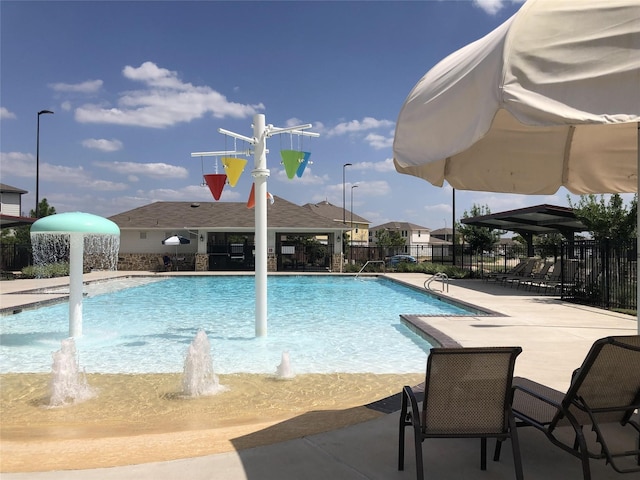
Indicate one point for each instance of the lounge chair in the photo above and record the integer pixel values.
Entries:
(523, 274)
(467, 394)
(559, 281)
(496, 276)
(603, 395)
(535, 277)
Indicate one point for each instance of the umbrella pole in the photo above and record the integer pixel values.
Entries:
(638, 234)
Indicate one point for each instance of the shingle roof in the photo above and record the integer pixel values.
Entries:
(399, 226)
(219, 215)
(9, 189)
(332, 212)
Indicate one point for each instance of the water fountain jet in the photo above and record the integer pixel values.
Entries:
(68, 384)
(199, 378)
(82, 231)
(284, 370)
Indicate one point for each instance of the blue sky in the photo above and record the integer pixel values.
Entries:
(137, 86)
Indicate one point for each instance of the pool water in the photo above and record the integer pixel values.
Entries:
(326, 323)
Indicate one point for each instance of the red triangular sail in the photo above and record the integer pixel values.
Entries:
(216, 182)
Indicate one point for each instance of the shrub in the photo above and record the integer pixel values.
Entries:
(49, 270)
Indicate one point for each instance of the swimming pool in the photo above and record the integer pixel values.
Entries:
(326, 323)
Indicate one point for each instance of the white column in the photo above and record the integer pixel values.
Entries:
(76, 244)
(260, 174)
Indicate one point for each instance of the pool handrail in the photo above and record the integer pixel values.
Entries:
(365, 265)
(443, 277)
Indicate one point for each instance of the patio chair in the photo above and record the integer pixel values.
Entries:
(603, 395)
(514, 271)
(467, 394)
(535, 277)
(523, 274)
(550, 280)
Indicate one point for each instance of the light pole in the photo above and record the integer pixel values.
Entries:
(38, 160)
(351, 222)
(343, 194)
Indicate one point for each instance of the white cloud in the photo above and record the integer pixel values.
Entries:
(190, 193)
(492, 7)
(6, 114)
(18, 164)
(355, 126)
(153, 170)
(379, 141)
(90, 86)
(164, 101)
(308, 177)
(365, 189)
(23, 165)
(384, 166)
(102, 144)
(440, 207)
(66, 106)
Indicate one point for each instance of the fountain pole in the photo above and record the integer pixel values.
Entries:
(76, 258)
(260, 173)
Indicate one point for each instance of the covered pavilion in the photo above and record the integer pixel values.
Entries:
(529, 221)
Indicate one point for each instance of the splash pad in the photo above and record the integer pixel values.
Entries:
(79, 232)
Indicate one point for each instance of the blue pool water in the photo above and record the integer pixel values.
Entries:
(326, 323)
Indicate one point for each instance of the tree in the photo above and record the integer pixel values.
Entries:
(607, 219)
(44, 210)
(389, 238)
(547, 244)
(478, 238)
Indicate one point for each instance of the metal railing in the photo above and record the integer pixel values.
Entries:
(365, 265)
(443, 277)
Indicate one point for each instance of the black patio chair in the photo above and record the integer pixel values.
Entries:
(603, 395)
(467, 394)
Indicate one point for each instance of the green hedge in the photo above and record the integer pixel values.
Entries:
(46, 271)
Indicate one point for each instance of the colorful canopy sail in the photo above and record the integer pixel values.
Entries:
(252, 197)
(233, 167)
(216, 182)
(292, 159)
(303, 164)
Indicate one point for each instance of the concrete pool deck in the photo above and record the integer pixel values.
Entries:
(555, 337)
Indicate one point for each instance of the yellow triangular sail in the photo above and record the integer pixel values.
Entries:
(233, 167)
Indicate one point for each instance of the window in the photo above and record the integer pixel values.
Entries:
(143, 235)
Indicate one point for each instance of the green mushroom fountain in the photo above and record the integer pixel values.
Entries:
(81, 232)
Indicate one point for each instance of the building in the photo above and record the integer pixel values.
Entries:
(357, 228)
(418, 240)
(11, 207)
(445, 234)
(221, 237)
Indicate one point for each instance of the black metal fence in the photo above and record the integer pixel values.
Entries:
(14, 257)
(601, 273)
(499, 259)
(597, 273)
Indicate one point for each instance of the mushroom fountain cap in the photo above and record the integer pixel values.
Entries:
(75, 222)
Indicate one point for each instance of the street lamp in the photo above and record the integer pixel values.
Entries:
(351, 221)
(38, 160)
(343, 202)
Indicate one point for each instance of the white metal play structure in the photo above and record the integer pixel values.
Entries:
(260, 173)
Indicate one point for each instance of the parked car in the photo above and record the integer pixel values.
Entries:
(397, 259)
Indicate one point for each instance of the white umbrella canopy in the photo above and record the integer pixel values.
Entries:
(176, 240)
(550, 98)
